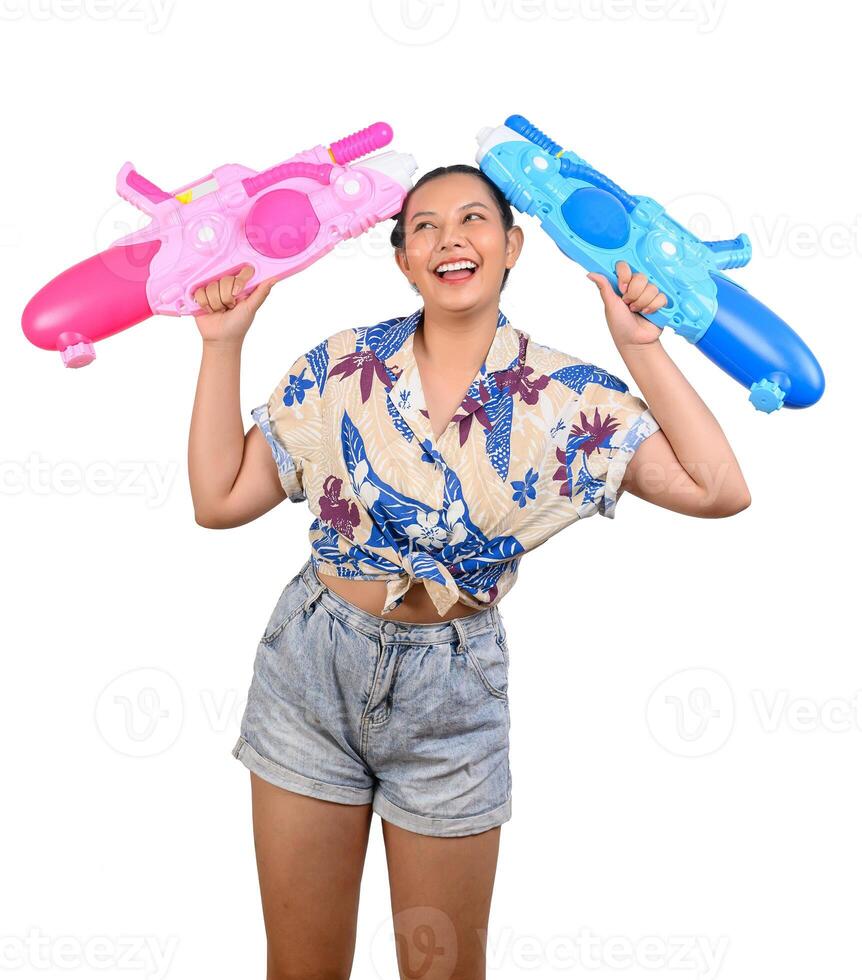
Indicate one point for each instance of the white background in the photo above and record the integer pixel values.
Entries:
(684, 693)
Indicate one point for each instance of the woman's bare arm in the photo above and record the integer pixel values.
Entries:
(688, 466)
(232, 475)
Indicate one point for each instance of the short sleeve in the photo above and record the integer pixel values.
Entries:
(291, 419)
(609, 423)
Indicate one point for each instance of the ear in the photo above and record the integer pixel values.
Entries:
(514, 244)
(402, 263)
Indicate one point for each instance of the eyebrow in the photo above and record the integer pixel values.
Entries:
(472, 204)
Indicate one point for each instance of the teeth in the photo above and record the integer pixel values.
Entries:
(452, 266)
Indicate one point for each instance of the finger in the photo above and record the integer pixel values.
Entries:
(635, 287)
(605, 288)
(624, 274)
(213, 297)
(225, 287)
(241, 278)
(267, 283)
(656, 304)
(259, 294)
(646, 297)
(201, 298)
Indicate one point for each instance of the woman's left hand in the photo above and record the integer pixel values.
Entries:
(639, 295)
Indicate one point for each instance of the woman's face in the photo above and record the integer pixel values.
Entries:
(454, 218)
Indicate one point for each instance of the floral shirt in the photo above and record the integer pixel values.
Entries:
(540, 440)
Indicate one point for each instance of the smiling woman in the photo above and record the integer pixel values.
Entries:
(434, 449)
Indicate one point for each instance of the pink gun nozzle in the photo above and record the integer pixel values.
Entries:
(278, 221)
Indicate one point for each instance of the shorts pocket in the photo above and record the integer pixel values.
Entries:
(490, 661)
(290, 602)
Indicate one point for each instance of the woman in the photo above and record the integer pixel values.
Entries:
(434, 450)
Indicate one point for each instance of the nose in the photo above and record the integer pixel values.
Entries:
(452, 233)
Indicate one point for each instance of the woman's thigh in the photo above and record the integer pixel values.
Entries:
(310, 854)
(441, 898)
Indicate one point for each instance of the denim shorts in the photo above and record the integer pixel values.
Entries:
(354, 708)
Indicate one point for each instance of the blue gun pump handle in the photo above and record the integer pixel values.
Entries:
(592, 176)
(526, 129)
(568, 168)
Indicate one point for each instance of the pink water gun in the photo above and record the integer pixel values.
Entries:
(278, 221)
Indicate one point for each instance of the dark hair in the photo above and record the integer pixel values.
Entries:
(396, 238)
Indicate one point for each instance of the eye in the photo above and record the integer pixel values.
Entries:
(471, 214)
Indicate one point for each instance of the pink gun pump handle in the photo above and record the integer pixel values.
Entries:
(361, 144)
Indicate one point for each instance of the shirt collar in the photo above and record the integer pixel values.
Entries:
(405, 394)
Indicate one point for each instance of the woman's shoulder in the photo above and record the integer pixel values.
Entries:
(546, 358)
(559, 364)
(354, 339)
(571, 371)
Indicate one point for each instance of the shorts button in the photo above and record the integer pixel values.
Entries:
(389, 628)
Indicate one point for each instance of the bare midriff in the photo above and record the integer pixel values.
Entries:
(415, 607)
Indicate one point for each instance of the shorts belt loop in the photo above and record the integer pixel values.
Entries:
(495, 617)
(315, 595)
(462, 636)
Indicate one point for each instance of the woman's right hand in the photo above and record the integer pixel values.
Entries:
(226, 318)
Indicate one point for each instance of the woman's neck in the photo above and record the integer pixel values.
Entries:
(456, 339)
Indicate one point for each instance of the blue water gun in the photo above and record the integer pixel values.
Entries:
(596, 223)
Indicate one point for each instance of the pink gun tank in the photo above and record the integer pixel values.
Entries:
(278, 221)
